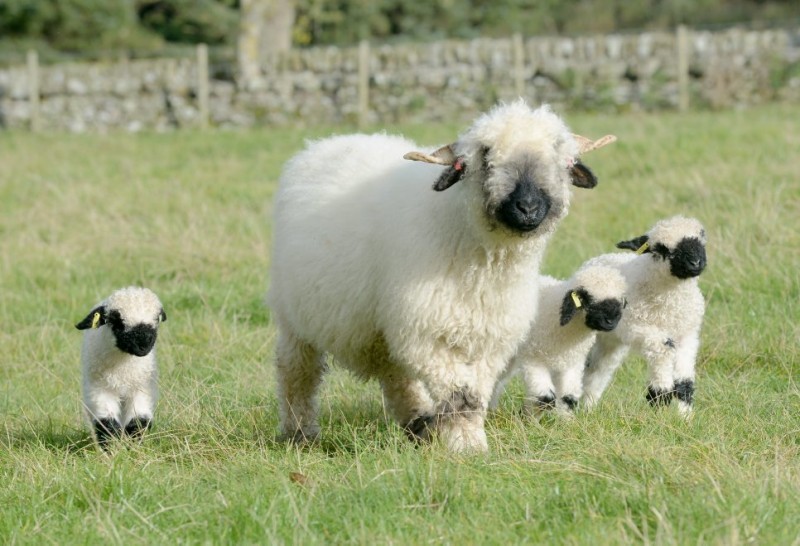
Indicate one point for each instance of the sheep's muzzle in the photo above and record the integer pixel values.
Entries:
(138, 340)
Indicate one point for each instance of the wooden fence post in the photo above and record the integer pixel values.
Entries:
(202, 83)
(33, 90)
(682, 38)
(363, 83)
(519, 64)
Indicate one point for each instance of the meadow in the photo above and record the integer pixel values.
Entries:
(188, 214)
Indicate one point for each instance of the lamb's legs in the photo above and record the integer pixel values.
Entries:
(604, 358)
(540, 393)
(685, 358)
(103, 410)
(660, 356)
(569, 387)
(138, 412)
(299, 369)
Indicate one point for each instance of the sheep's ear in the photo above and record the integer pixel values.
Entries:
(443, 156)
(162, 316)
(95, 319)
(582, 176)
(450, 176)
(573, 300)
(638, 244)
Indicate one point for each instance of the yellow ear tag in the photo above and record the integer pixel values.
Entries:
(96, 319)
(576, 300)
(642, 248)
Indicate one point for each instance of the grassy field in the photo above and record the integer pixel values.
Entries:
(188, 215)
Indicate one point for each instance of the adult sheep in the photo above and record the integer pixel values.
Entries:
(429, 293)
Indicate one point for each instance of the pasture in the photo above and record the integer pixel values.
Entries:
(187, 214)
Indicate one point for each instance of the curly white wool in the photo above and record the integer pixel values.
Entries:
(664, 315)
(428, 292)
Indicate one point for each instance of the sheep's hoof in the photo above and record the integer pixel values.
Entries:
(462, 436)
(137, 426)
(419, 429)
(106, 429)
(299, 437)
(659, 397)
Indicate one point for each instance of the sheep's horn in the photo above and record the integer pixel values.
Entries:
(587, 144)
(442, 156)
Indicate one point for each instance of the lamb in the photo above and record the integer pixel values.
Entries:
(119, 363)
(664, 314)
(552, 358)
(429, 293)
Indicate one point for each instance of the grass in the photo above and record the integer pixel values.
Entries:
(188, 215)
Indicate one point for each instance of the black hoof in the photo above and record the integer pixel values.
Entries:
(419, 429)
(106, 429)
(659, 397)
(137, 426)
(684, 391)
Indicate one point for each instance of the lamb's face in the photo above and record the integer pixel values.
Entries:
(679, 242)
(133, 315)
(600, 292)
(521, 163)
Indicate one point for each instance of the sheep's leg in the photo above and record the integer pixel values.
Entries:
(409, 404)
(569, 386)
(299, 369)
(683, 386)
(138, 412)
(540, 392)
(604, 358)
(660, 355)
(103, 410)
(460, 398)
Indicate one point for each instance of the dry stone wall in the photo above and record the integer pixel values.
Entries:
(415, 82)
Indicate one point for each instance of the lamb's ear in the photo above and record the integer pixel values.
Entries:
(582, 176)
(162, 316)
(95, 319)
(638, 244)
(450, 176)
(573, 300)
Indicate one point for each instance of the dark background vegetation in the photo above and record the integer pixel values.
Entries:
(96, 28)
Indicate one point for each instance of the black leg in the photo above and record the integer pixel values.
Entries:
(684, 391)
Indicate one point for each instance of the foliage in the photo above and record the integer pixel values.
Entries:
(188, 215)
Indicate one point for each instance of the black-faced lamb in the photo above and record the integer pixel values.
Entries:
(664, 315)
(570, 313)
(429, 293)
(119, 363)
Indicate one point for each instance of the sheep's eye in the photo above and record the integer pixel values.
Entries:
(115, 320)
(661, 250)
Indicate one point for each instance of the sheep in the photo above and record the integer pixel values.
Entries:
(553, 356)
(664, 315)
(118, 358)
(429, 293)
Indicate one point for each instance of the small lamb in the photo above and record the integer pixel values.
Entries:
(119, 362)
(664, 315)
(553, 357)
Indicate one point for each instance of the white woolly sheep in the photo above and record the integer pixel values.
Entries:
(664, 314)
(552, 358)
(119, 363)
(429, 293)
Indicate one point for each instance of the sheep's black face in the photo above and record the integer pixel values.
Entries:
(687, 260)
(604, 315)
(525, 208)
(137, 340)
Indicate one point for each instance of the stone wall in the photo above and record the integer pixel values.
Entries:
(416, 82)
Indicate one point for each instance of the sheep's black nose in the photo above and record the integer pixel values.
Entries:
(525, 208)
(138, 340)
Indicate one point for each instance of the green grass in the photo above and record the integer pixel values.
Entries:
(188, 215)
